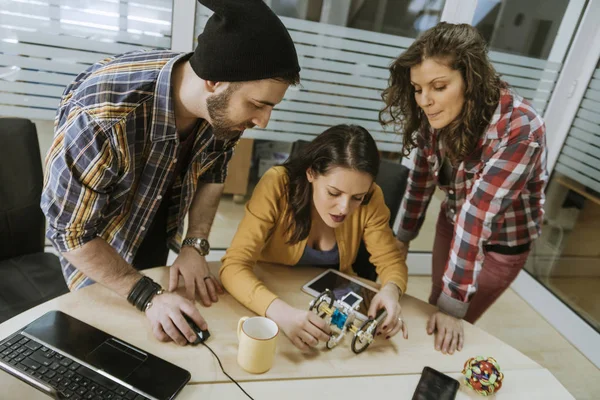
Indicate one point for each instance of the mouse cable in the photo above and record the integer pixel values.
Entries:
(221, 365)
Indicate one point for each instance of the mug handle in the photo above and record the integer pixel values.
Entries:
(240, 323)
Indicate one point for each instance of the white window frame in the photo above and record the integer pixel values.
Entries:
(572, 83)
(182, 26)
(578, 68)
(459, 11)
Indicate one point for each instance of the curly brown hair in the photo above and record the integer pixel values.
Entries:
(462, 48)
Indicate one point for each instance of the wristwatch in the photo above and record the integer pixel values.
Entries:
(201, 245)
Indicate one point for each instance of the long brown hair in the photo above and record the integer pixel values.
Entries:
(346, 146)
(463, 49)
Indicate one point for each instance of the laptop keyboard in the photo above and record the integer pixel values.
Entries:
(72, 380)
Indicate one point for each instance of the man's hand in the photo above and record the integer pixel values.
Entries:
(388, 298)
(196, 276)
(167, 321)
(449, 334)
(304, 328)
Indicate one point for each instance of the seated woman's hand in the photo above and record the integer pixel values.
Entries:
(304, 328)
(388, 298)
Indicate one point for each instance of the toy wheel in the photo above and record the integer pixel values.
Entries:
(330, 346)
(321, 299)
(358, 346)
(322, 315)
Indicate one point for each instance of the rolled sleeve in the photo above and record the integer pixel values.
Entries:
(80, 169)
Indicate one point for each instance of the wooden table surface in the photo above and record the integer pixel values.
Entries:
(394, 363)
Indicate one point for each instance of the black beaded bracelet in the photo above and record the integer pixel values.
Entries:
(138, 288)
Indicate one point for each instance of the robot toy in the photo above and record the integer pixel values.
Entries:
(341, 315)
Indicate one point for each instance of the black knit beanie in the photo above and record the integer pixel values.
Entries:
(243, 41)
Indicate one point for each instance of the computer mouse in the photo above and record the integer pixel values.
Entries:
(202, 335)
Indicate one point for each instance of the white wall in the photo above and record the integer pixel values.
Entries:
(517, 39)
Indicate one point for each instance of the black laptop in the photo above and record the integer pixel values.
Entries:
(69, 359)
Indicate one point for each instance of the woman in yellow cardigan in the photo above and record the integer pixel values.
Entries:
(314, 210)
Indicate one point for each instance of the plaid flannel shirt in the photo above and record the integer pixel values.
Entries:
(496, 196)
(114, 155)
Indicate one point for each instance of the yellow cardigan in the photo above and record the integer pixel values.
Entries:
(261, 237)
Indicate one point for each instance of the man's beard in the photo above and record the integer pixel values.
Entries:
(217, 106)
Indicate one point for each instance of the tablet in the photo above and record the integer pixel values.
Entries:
(341, 284)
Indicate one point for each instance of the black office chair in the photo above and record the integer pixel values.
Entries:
(392, 179)
(28, 276)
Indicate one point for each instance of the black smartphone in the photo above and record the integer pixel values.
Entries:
(434, 385)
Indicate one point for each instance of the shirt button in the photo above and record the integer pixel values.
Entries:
(174, 161)
(159, 197)
(451, 191)
(143, 228)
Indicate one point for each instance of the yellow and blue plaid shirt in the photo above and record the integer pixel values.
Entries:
(114, 155)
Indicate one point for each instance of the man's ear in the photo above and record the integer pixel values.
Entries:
(211, 86)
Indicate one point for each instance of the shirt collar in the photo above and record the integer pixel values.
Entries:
(163, 113)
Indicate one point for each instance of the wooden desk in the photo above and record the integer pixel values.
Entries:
(530, 384)
(105, 310)
(525, 384)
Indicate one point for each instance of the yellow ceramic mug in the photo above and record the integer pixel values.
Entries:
(257, 337)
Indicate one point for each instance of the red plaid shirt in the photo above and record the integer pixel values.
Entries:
(494, 197)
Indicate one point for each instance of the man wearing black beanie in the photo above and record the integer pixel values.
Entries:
(143, 139)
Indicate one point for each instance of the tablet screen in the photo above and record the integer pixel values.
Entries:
(340, 286)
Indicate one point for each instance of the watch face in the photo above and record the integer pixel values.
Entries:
(201, 245)
(204, 246)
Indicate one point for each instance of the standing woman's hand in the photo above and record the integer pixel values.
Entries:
(449, 333)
